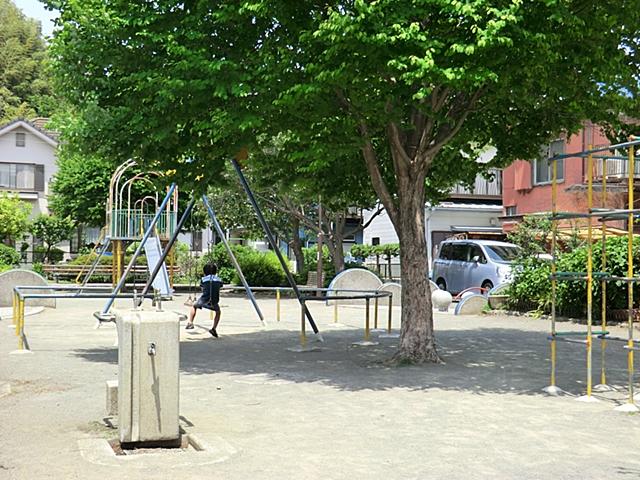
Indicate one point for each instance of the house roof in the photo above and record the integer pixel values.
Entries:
(46, 135)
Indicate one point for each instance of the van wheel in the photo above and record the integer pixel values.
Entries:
(442, 285)
(487, 284)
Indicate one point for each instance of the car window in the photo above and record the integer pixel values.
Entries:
(460, 252)
(502, 253)
(476, 251)
(445, 252)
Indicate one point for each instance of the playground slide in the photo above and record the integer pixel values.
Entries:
(153, 251)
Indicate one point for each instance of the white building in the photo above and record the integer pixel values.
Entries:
(27, 162)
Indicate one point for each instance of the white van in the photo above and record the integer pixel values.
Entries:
(473, 263)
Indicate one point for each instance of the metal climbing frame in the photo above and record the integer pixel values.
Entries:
(602, 215)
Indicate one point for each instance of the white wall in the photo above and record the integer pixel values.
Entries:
(36, 151)
(440, 218)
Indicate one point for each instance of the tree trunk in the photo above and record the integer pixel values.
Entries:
(417, 340)
(296, 245)
(338, 254)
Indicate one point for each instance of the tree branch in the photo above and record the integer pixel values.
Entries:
(445, 135)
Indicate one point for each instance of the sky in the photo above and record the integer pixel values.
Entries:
(35, 9)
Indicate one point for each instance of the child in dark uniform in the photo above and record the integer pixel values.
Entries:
(210, 297)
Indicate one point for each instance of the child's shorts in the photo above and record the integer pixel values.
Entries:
(201, 304)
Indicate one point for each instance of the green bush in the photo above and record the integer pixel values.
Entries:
(261, 269)
(360, 251)
(9, 256)
(38, 268)
(531, 286)
(55, 254)
(89, 258)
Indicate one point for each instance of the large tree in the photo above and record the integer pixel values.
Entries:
(25, 89)
(410, 90)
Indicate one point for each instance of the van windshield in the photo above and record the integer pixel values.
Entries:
(501, 253)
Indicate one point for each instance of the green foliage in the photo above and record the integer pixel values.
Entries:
(43, 255)
(531, 235)
(259, 268)
(4, 268)
(89, 258)
(388, 250)
(14, 215)
(262, 269)
(38, 268)
(80, 187)
(25, 88)
(51, 230)
(361, 252)
(531, 286)
(9, 256)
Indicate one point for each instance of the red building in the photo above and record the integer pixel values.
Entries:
(526, 185)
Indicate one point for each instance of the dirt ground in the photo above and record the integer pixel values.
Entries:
(263, 412)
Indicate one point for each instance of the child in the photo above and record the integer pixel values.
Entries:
(210, 297)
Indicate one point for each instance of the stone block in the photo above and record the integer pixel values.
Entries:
(112, 398)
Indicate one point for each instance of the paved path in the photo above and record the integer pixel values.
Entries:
(267, 413)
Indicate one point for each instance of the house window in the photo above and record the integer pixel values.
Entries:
(18, 176)
(543, 168)
(20, 139)
(511, 211)
(375, 241)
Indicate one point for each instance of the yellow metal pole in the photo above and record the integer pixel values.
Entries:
(589, 271)
(114, 262)
(303, 333)
(603, 284)
(366, 322)
(375, 313)
(630, 274)
(278, 304)
(390, 314)
(172, 261)
(17, 324)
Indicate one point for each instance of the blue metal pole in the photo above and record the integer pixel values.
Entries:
(272, 242)
(218, 228)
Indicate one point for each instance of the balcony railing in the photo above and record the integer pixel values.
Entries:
(482, 187)
(615, 169)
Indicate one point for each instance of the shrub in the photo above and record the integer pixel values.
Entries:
(40, 252)
(259, 268)
(89, 258)
(531, 286)
(9, 256)
(360, 251)
(38, 268)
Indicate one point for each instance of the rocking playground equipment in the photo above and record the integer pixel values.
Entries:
(602, 215)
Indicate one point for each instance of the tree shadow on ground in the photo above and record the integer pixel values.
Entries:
(481, 361)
